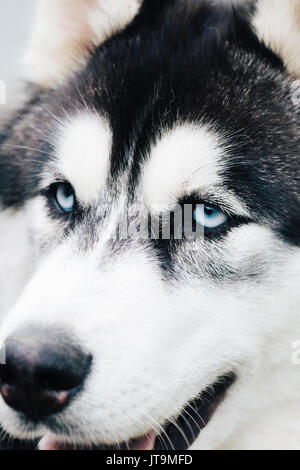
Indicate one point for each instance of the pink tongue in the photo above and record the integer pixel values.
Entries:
(143, 443)
(50, 442)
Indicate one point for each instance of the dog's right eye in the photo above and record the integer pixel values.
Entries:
(62, 197)
(65, 197)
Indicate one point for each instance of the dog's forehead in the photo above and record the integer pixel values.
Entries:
(184, 159)
(83, 151)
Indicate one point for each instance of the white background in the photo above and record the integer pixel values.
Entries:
(16, 18)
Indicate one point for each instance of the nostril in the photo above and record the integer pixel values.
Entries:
(6, 375)
(57, 380)
(5, 390)
(44, 370)
(45, 402)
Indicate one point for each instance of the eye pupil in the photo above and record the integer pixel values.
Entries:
(68, 191)
(209, 210)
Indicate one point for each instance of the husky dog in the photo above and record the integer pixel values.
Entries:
(138, 109)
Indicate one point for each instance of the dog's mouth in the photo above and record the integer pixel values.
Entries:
(178, 434)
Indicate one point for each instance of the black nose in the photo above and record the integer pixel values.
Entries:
(44, 370)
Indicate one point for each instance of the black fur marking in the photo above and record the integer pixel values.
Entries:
(193, 62)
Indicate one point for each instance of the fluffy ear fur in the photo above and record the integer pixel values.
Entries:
(64, 32)
(277, 23)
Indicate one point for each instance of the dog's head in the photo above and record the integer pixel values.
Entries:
(160, 183)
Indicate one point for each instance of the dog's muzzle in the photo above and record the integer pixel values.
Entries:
(44, 370)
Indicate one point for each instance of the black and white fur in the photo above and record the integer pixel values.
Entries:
(163, 101)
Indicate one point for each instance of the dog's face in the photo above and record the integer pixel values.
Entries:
(183, 110)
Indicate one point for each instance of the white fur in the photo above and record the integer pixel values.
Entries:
(278, 24)
(183, 160)
(83, 152)
(65, 31)
(15, 257)
(186, 159)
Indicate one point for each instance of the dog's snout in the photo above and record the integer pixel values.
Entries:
(44, 369)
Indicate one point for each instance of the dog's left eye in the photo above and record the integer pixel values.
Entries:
(65, 197)
(209, 217)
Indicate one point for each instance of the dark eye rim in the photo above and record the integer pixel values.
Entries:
(50, 194)
(211, 234)
(214, 233)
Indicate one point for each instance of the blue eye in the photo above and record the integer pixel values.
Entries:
(65, 198)
(209, 217)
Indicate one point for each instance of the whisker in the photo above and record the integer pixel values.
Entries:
(47, 137)
(162, 430)
(83, 100)
(29, 148)
(177, 427)
(58, 120)
(158, 436)
(189, 426)
(172, 421)
(193, 419)
(197, 413)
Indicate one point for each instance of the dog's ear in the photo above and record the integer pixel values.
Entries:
(66, 30)
(277, 23)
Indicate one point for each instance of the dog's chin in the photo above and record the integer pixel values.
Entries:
(177, 434)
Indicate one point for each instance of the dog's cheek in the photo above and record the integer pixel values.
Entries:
(44, 231)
